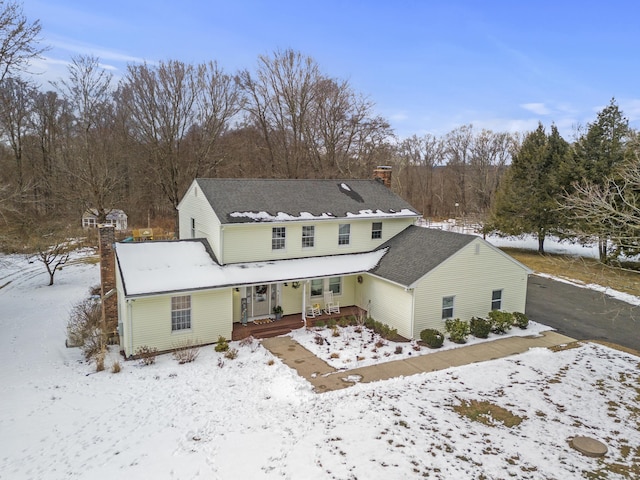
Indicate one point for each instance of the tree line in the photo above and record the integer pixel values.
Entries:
(137, 144)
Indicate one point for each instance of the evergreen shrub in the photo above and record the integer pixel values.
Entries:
(479, 327)
(457, 329)
(520, 320)
(222, 345)
(432, 337)
(500, 321)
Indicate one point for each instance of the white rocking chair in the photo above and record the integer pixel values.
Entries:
(330, 306)
(314, 310)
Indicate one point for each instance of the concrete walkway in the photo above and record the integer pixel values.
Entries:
(325, 378)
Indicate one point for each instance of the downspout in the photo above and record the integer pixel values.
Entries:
(221, 259)
(304, 303)
(413, 312)
(129, 317)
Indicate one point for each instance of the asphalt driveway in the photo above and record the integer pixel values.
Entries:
(583, 314)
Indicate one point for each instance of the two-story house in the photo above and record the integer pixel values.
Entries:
(248, 245)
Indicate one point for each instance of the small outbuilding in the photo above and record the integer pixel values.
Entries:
(115, 217)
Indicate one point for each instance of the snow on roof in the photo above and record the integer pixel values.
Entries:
(159, 267)
(283, 217)
(280, 217)
(405, 212)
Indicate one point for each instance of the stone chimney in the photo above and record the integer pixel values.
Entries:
(106, 235)
(383, 174)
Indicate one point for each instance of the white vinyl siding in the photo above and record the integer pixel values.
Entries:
(387, 303)
(147, 321)
(206, 223)
(251, 242)
(471, 277)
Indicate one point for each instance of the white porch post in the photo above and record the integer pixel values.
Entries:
(304, 305)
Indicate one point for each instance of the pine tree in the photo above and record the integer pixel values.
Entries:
(598, 155)
(527, 199)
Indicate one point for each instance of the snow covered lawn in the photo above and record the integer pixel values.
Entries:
(253, 417)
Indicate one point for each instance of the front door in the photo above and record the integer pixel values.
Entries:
(261, 300)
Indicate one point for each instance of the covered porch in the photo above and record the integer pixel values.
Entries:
(287, 323)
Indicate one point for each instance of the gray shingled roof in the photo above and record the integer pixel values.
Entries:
(295, 196)
(416, 251)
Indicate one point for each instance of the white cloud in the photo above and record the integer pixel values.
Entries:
(537, 108)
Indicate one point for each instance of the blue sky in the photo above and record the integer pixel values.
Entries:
(429, 66)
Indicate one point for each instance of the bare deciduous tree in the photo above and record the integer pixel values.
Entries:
(417, 159)
(16, 98)
(177, 113)
(490, 153)
(610, 208)
(89, 162)
(18, 39)
(310, 124)
(52, 246)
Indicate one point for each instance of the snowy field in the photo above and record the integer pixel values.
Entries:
(255, 418)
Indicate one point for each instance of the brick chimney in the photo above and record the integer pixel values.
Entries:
(106, 235)
(383, 174)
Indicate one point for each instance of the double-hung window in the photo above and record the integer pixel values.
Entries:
(496, 300)
(308, 236)
(344, 234)
(278, 237)
(376, 230)
(180, 313)
(335, 285)
(447, 307)
(317, 287)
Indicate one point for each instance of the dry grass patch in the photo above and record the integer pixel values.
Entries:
(565, 346)
(586, 270)
(487, 413)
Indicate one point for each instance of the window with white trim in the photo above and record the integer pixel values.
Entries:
(335, 285)
(447, 307)
(278, 237)
(317, 287)
(496, 300)
(344, 234)
(376, 230)
(308, 236)
(180, 313)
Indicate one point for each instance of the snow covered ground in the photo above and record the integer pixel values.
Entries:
(253, 417)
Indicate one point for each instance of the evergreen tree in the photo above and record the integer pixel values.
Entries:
(598, 156)
(527, 199)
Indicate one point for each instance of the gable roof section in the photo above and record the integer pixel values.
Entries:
(416, 251)
(270, 200)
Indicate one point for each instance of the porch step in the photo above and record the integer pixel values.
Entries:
(239, 333)
(285, 325)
